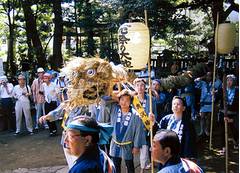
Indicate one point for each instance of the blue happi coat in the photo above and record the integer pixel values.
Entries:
(127, 129)
(206, 94)
(186, 135)
(178, 165)
(93, 162)
(147, 105)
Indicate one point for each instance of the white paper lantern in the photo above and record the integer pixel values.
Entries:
(133, 45)
(226, 38)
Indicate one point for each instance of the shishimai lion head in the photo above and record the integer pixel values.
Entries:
(90, 79)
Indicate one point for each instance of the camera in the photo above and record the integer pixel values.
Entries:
(41, 92)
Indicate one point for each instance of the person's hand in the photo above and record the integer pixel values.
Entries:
(133, 93)
(43, 118)
(152, 118)
(114, 95)
(227, 119)
(27, 94)
(155, 93)
(213, 92)
(135, 151)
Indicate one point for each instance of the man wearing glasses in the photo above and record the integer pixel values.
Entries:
(21, 93)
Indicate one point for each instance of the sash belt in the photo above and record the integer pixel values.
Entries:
(122, 143)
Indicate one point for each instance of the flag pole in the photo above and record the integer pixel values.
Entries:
(150, 93)
(214, 76)
(225, 121)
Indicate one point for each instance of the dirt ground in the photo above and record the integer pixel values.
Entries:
(40, 150)
(25, 151)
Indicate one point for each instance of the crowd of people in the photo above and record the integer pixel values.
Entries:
(45, 94)
(172, 118)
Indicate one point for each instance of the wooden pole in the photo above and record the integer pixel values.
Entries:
(226, 145)
(214, 76)
(225, 115)
(150, 93)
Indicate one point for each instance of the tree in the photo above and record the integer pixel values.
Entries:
(57, 60)
(89, 21)
(32, 33)
(210, 7)
(166, 17)
(94, 25)
(9, 8)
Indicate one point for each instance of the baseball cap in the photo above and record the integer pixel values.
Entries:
(40, 70)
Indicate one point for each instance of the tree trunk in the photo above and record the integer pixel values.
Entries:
(89, 29)
(58, 34)
(68, 43)
(31, 29)
(76, 27)
(11, 68)
(30, 54)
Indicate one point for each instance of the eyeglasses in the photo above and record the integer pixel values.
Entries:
(72, 136)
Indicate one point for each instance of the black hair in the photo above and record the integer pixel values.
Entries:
(168, 138)
(91, 123)
(180, 98)
(127, 94)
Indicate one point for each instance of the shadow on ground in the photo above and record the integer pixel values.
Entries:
(40, 153)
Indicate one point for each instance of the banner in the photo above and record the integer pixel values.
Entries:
(142, 114)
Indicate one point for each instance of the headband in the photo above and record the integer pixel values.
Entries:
(105, 130)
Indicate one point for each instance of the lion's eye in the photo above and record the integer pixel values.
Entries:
(91, 72)
(74, 74)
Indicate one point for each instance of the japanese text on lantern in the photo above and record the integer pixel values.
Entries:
(125, 58)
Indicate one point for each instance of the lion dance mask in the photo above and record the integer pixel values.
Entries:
(91, 78)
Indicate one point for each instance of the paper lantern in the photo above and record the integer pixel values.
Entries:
(133, 45)
(226, 38)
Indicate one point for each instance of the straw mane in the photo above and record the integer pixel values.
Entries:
(90, 79)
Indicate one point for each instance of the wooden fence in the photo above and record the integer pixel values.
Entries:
(163, 67)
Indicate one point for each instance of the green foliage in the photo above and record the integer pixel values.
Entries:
(3, 36)
(97, 21)
(180, 31)
(93, 20)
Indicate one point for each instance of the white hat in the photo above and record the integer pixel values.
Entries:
(232, 76)
(40, 70)
(3, 78)
(21, 77)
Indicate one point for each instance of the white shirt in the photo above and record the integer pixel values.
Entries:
(18, 93)
(50, 92)
(3, 91)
